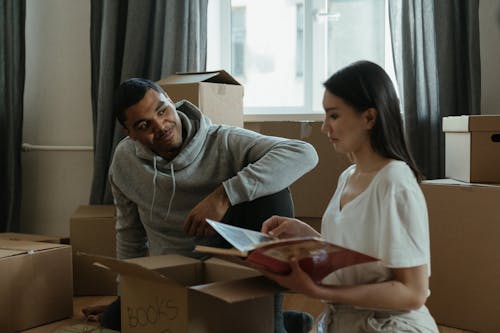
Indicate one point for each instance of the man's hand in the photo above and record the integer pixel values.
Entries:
(214, 207)
(94, 313)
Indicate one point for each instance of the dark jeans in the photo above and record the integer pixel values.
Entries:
(249, 215)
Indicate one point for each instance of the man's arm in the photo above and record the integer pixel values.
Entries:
(266, 165)
(131, 237)
(269, 164)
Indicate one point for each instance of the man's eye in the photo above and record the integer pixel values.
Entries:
(143, 126)
(162, 112)
(334, 116)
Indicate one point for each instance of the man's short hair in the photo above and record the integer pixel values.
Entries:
(129, 93)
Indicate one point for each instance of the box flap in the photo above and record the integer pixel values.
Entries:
(484, 123)
(91, 211)
(162, 261)
(31, 237)
(9, 253)
(19, 245)
(127, 268)
(239, 290)
(220, 76)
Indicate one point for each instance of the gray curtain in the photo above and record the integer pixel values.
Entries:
(436, 56)
(12, 70)
(137, 38)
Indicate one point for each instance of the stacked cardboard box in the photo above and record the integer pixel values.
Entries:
(35, 284)
(172, 293)
(464, 221)
(217, 94)
(473, 148)
(92, 231)
(311, 193)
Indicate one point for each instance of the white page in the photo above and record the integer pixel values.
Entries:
(242, 239)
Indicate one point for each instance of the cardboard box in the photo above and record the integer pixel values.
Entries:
(311, 193)
(92, 230)
(172, 293)
(217, 94)
(472, 151)
(464, 222)
(34, 237)
(35, 284)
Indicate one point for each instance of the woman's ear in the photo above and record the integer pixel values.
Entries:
(370, 117)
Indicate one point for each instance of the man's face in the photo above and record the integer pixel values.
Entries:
(154, 122)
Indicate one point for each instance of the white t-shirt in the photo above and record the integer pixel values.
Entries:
(388, 220)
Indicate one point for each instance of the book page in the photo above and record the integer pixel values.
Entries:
(242, 239)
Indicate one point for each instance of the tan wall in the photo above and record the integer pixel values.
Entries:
(57, 111)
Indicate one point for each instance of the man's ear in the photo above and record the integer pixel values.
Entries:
(370, 117)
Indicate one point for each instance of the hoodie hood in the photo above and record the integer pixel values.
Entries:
(194, 132)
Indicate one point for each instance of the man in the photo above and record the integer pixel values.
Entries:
(176, 168)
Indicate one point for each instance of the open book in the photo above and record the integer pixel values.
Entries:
(316, 256)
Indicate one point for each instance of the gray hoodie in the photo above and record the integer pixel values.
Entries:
(153, 196)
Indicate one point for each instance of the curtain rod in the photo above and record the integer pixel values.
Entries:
(26, 147)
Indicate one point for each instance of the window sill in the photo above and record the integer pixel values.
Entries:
(283, 117)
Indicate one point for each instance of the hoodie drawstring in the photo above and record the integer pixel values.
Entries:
(154, 190)
(173, 191)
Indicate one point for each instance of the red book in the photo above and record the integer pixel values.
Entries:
(316, 256)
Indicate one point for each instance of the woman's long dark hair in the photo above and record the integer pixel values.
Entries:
(365, 85)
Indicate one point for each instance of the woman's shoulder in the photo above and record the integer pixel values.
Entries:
(397, 175)
(347, 171)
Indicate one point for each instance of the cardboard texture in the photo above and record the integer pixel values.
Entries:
(92, 230)
(35, 284)
(472, 148)
(464, 225)
(171, 293)
(313, 191)
(34, 237)
(217, 94)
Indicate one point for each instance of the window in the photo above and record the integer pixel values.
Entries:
(283, 50)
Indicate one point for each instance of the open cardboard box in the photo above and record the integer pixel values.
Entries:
(35, 284)
(173, 293)
(216, 93)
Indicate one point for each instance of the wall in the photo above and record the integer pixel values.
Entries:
(489, 29)
(57, 111)
(58, 106)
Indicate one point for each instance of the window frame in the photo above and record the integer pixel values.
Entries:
(312, 30)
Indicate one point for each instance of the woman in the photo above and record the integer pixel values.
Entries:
(377, 209)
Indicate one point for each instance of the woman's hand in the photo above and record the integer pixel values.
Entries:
(284, 227)
(297, 280)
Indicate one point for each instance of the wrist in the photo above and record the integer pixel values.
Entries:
(222, 197)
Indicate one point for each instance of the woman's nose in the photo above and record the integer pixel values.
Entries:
(324, 130)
